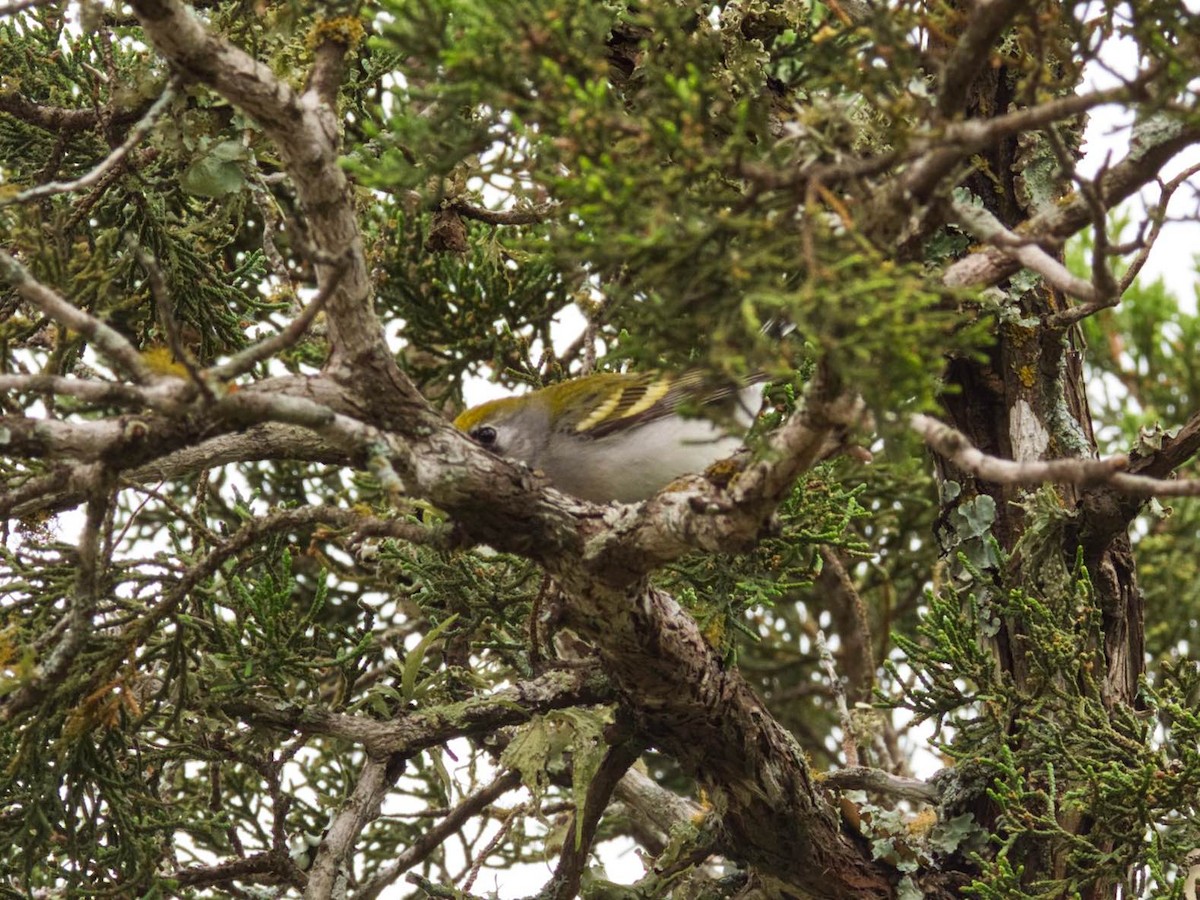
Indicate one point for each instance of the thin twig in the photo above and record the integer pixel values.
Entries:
(1159, 218)
(530, 215)
(437, 834)
(857, 655)
(1055, 223)
(107, 340)
(989, 229)
(849, 747)
(81, 388)
(97, 173)
(861, 778)
(255, 530)
(247, 359)
(80, 609)
(166, 316)
(264, 202)
(577, 844)
(505, 827)
(955, 446)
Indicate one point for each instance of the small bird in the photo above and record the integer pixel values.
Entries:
(613, 436)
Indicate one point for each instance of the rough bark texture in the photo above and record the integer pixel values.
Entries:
(1027, 401)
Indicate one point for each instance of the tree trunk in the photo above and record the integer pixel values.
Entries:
(1027, 401)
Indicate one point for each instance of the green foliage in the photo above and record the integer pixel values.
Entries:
(504, 292)
(1147, 385)
(642, 157)
(1083, 781)
(676, 173)
(205, 250)
(567, 743)
(721, 591)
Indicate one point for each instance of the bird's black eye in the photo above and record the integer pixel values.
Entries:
(485, 435)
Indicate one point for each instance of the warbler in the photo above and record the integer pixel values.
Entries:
(613, 436)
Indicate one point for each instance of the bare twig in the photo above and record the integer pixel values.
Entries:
(1159, 218)
(1122, 180)
(955, 446)
(437, 834)
(933, 157)
(64, 489)
(264, 201)
(93, 177)
(62, 120)
(989, 229)
(849, 746)
(80, 608)
(973, 52)
(861, 778)
(106, 339)
(522, 215)
(362, 806)
(247, 359)
(506, 825)
(81, 388)
(226, 873)
(857, 655)
(582, 832)
(166, 317)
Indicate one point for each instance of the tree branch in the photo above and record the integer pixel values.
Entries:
(304, 129)
(862, 778)
(257, 864)
(80, 608)
(657, 806)
(933, 158)
(60, 119)
(577, 845)
(437, 834)
(109, 342)
(97, 173)
(91, 391)
(521, 215)
(62, 490)
(1108, 510)
(408, 734)
(856, 657)
(973, 52)
(1059, 222)
(988, 228)
(954, 446)
(374, 781)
